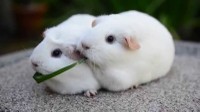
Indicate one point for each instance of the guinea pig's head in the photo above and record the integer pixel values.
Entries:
(52, 54)
(108, 41)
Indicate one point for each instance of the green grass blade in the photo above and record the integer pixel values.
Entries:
(41, 78)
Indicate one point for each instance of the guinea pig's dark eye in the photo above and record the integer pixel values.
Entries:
(110, 39)
(56, 53)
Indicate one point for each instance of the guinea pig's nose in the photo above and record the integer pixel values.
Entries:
(34, 64)
(86, 47)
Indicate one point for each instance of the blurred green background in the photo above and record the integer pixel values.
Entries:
(23, 21)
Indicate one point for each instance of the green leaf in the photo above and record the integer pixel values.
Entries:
(153, 6)
(41, 78)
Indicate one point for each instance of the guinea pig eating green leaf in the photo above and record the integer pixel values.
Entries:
(41, 78)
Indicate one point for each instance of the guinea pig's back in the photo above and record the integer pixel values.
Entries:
(79, 19)
(157, 46)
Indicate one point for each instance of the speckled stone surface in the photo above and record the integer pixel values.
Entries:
(14, 57)
(179, 90)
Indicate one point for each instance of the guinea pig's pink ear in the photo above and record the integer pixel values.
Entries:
(71, 52)
(131, 43)
(43, 34)
(98, 20)
(69, 49)
(94, 23)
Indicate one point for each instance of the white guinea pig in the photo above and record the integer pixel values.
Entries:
(57, 50)
(127, 49)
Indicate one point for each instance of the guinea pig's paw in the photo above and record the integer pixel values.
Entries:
(90, 93)
(134, 87)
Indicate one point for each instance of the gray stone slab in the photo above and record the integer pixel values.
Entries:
(178, 91)
(187, 48)
(14, 57)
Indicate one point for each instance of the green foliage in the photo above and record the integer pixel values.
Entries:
(177, 15)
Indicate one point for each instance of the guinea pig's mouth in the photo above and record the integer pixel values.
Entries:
(42, 71)
(80, 55)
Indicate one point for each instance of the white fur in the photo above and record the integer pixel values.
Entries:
(119, 68)
(65, 36)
